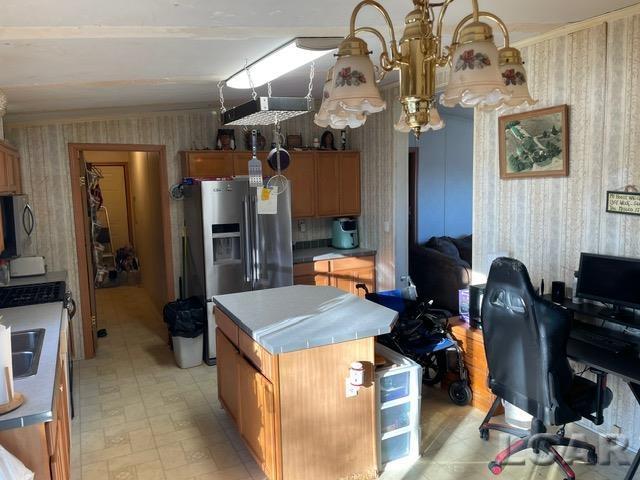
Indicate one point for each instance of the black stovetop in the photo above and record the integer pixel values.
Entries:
(20, 295)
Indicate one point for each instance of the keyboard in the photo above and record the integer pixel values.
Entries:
(601, 340)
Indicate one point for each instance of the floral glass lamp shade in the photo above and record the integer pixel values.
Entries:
(435, 122)
(475, 78)
(338, 118)
(514, 77)
(354, 87)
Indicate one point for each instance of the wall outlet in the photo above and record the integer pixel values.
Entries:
(350, 390)
(302, 226)
(387, 226)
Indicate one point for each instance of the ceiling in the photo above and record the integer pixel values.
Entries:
(96, 54)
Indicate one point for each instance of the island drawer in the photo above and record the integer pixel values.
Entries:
(256, 354)
(226, 325)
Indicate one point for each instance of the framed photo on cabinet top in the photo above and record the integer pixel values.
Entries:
(535, 143)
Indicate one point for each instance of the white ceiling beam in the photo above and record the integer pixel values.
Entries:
(202, 33)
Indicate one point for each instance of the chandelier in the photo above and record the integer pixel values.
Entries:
(480, 74)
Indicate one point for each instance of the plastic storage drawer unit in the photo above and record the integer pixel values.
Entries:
(398, 384)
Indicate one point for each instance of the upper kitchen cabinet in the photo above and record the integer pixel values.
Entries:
(241, 163)
(207, 163)
(323, 183)
(301, 175)
(10, 180)
(337, 184)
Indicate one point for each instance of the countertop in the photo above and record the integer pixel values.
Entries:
(303, 255)
(294, 318)
(60, 276)
(37, 389)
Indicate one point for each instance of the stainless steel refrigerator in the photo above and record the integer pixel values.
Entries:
(231, 247)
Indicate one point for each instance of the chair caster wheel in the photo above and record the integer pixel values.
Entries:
(460, 393)
(592, 458)
(484, 434)
(495, 468)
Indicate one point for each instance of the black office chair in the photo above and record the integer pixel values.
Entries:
(525, 339)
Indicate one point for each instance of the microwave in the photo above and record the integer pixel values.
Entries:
(18, 224)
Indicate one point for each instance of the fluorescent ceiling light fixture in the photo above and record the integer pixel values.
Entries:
(291, 55)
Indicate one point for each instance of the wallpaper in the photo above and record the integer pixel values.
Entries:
(45, 172)
(385, 159)
(547, 222)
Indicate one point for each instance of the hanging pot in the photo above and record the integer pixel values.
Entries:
(285, 159)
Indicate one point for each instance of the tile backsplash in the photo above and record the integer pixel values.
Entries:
(314, 229)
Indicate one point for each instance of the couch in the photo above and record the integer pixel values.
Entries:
(440, 268)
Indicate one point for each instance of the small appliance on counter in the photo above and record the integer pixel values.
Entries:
(345, 233)
(27, 266)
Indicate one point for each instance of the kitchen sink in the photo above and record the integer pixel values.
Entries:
(25, 352)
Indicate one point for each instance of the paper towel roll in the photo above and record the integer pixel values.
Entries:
(6, 390)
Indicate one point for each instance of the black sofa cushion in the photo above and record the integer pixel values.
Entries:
(464, 246)
(444, 245)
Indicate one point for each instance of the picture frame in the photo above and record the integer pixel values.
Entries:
(535, 143)
(623, 202)
(294, 141)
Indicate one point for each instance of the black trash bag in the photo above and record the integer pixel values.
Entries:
(185, 318)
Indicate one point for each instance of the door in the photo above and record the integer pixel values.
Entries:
(228, 375)
(226, 236)
(327, 185)
(349, 182)
(301, 175)
(91, 270)
(257, 420)
(272, 243)
(413, 199)
(115, 194)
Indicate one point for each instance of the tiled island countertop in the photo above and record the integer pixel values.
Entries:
(293, 318)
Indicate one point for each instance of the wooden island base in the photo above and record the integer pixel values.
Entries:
(291, 409)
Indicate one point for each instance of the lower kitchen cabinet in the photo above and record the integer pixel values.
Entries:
(257, 423)
(44, 448)
(227, 353)
(344, 273)
(291, 410)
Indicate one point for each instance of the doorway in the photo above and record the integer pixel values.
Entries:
(122, 223)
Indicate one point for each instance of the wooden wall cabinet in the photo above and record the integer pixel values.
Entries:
(323, 183)
(44, 448)
(344, 273)
(301, 174)
(292, 406)
(10, 178)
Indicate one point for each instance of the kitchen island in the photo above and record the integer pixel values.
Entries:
(283, 361)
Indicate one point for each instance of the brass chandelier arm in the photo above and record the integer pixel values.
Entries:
(489, 15)
(387, 63)
(395, 54)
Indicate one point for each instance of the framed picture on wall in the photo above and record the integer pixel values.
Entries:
(535, 143)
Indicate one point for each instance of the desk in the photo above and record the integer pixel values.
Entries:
(625, 365)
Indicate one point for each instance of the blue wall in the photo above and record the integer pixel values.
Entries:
(445, 176)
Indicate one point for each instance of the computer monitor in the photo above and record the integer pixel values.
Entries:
(610, 280)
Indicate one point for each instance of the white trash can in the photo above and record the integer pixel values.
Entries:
(188, 351)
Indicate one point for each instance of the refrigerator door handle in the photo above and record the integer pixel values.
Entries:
(257, 245)
(248, 274)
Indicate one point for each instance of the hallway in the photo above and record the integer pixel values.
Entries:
(138, 416)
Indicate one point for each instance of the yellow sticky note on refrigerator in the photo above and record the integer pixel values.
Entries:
(267, 201)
